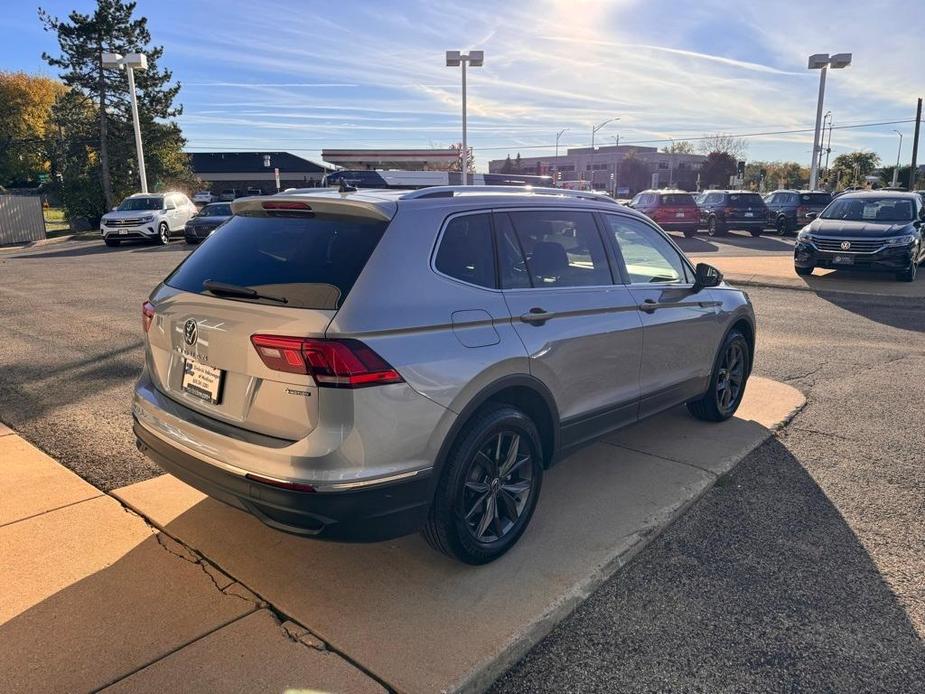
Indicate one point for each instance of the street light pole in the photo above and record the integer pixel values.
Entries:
(822, 62)
(458, 59)
(898, 153)
(828, 147)
(594, 129)
(558, 135)
(132, 62)
(825, 119)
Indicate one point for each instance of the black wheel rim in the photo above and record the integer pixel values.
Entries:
(781, 227)
(712, 227)
(731, 377)
(497, 487)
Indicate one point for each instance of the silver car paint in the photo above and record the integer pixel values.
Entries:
(448, 339)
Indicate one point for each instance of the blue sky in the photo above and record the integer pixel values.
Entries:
(303, 75)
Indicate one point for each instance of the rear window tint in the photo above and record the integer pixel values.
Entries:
(815, 198)
(745, 199)
(678, 200)
(466, 252)
(311, 260)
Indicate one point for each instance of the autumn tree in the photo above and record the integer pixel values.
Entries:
(849, 169)
(25, 129)
(776, 174)
(735, 147)
(82, 40)
(679, 147)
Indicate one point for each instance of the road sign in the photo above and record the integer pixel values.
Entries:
(276, 176)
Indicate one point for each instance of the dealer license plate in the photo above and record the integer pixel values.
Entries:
(679, 214)
(749, 214)
(843, 260)
(202, 381)
(123, 231)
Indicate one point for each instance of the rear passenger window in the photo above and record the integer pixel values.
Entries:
(563, 249)
(466, 252)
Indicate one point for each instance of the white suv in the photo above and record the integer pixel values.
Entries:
(150, 216)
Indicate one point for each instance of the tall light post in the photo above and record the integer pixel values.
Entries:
(558, 135)
(822, 62)
(825, 119)
(594, 129)
(132, 62)
(828, 146)
(458, 59)
(898, 153)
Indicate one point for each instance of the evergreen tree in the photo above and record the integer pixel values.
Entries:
(508, 165)
(82, 39)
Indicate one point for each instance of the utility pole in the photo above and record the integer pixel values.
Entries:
(915, 146)
(898, 153)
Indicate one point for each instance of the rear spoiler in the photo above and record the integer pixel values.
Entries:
(326, 203)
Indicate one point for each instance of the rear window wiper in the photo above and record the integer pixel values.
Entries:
(237, 290)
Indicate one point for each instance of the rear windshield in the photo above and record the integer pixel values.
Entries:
(310, 260)
(678, 200)
(745, 200)
(815, 198)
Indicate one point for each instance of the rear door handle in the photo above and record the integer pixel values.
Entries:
(537, 316)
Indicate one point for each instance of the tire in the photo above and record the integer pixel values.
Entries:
(714, 228)
(755, 232)
(782, 226)
(192, 242)
(163, 234)
(907, 275)
(803, 271)
(690, 233)
(725, 393)
(470, 483)
(112, 243)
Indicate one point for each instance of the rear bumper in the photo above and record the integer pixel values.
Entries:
(886, 260)
(362, 515)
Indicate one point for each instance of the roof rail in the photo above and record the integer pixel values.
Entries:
(453, 191)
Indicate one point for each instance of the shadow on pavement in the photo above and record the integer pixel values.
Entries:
(705, 244)
(98, 248)
(906, 313)
(762, 586)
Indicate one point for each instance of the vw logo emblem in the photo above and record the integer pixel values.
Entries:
(845, 245)
(190, 332)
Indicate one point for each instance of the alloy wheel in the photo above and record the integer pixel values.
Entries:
(164, 234)
(497, 486)
(731, 377)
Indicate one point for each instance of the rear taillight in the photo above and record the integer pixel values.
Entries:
(147, 315)
(802, 210)
(332, 363)
(729, 210)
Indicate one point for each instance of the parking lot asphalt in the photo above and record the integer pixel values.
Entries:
(801, 571)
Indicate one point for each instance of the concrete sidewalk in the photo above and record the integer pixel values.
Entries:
(777, 271)
(93, 596)
(194, 595)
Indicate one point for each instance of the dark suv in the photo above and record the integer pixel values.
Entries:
(672, 210)
(788, 209)
(722, 210)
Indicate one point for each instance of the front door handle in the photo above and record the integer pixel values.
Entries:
(537, 316)
(649, 306)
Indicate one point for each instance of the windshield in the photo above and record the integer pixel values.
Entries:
(134, 204)
(678, 200)
(820, 199)
(869, 209)
(745, 200)
(216, 211)
(310, 259)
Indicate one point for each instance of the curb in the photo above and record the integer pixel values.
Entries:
(774, 283)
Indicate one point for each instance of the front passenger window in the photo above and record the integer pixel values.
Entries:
(648, 257)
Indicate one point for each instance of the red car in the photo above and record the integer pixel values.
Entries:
(673, 210)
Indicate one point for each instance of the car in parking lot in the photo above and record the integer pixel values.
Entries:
(673, 210)
(206, 221)
(722, 210)
(788, 209)
(878, 231)
(361, 365)
(228, 195)
(203, 197)
(152, 217)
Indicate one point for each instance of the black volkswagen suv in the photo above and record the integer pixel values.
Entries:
(787, 209)
(865, 231)
(722, 210)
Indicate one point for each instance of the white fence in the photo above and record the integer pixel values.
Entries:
(21, 219)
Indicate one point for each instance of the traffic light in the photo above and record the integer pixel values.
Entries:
(740, 168)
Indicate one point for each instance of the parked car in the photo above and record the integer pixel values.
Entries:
(865, 231)
(203, 197)
(150, 216)
(361, 365)
(673, 210)
(788, 209)
(722, 210)
(209, 218)
(254, 191)
(228, 195)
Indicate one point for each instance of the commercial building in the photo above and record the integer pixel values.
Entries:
(402, 159)
(242, 170)
(622, 170)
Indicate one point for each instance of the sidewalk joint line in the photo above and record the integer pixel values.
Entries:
(661, 457)
(51, 510)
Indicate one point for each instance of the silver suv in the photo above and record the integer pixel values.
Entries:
(362, 365)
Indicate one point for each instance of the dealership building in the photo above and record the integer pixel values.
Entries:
(400, 159)
(242, 170)
(620, 169)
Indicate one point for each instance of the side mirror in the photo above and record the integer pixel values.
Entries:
(114, 209)
(706, 276)
(812, 215)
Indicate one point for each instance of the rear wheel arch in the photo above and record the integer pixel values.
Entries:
(744, 326)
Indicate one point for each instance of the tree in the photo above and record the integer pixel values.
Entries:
(735, 147)
(886, 175)
(508, 165)
(82, 39)
(679, 147)
(633, 174)
(776, 174)
(518, 167)
(849, 169)
(717, 169)
(25, 114)
(470, 159)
